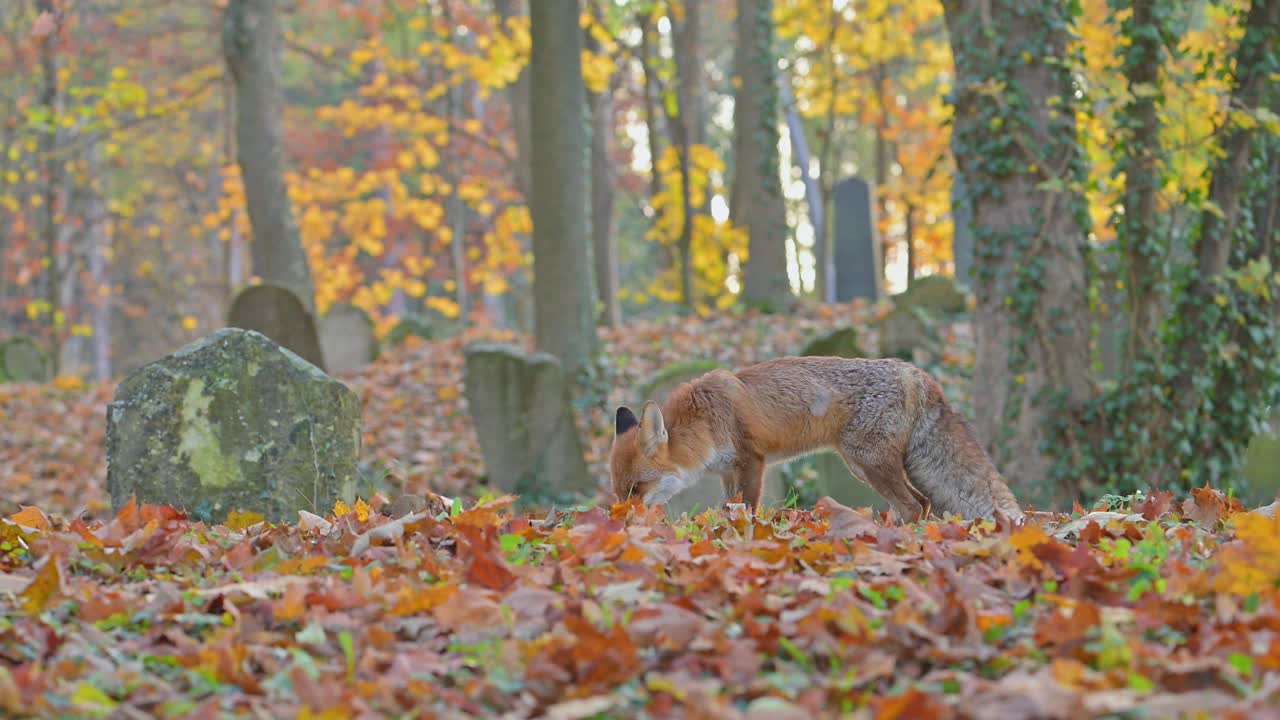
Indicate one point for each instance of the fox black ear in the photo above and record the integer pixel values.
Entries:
(624, 420)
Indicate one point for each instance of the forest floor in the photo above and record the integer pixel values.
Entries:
(1152, 607)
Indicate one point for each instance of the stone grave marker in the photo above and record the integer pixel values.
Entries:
(233, 421)
(857, 251)
(938, 294)
(910, 334)
(347, 340)
(22, 360)
(520, 407)
(278, 313)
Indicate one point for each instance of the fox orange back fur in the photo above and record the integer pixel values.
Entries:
(887, 418)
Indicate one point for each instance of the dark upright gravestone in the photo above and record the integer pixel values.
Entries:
(962, 234)
(857, 244)
(278, 313)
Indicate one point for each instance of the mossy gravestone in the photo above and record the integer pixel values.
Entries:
(709, 492)
(832, 475)
(22, 360)
(233, 421)
(278, 313)
(520, 407)
(938, 294)
(842, 342)
(347, 339)
(909, 333)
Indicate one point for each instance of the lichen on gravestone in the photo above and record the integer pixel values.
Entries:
(233, 421)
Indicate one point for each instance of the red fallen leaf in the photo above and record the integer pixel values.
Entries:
(1156, 505)
(482, 555)
(910, 705)
(844, 522)
(101, 604)
(1207, 506)
(1068, 626)
(44, 24)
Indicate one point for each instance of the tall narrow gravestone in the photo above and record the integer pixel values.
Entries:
(347, 338)
(962, 234)
(857, 242)
(278, 313)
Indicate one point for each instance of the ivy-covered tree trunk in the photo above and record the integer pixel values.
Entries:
(1014, 140)
(756, 200)
(564, 323)
(252, 43)
(1222, 372)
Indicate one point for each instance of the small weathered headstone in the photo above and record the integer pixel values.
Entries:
(278, 313)
(842, 342)
(909, 333)
(962, 233)
(1262, 463)
(936, 293)
(233, 421)
(22, 360)
(658, 386)
(856, 240)
(347, 339)
(520, 407)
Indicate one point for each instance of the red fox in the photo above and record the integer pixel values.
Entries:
(887, 418)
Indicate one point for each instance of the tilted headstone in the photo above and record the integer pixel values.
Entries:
(936, 293)
(520, 407)
(278, 313)
(1262, 464)
(910, 334)
(842, 342)
(22, 360)
(347, 339)
(833, 476)
(962, 240)
(710, 492)
(233, 421)
(857, 241)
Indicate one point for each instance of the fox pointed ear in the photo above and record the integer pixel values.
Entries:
(624, 420)
(653, 429)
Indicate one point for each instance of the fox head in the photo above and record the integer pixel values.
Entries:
(640, 464)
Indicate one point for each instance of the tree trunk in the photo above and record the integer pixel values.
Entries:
(52, 181)
(650, 105)
(563, 320)
(756, 204)
(518, 98)
(1031, 318)
(910, 213)
(455, 209)
(98, 249)
(812, 192)
(603, 243)
(1139, 236)
(251, 41)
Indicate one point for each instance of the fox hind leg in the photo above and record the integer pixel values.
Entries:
(887, 477)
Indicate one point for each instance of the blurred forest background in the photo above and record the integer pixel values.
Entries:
(1101, 174)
